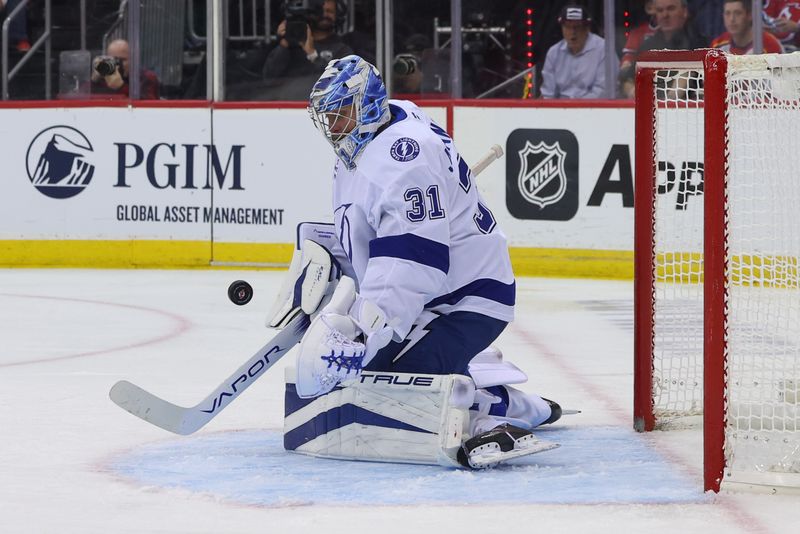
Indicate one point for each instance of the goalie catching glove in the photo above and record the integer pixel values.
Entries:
(341, 340)
(312, 275)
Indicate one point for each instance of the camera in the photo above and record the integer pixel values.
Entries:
(107, 65)
(297, 13)
(405, 64)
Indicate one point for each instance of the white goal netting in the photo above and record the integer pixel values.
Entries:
(678, 227)
(762, 221)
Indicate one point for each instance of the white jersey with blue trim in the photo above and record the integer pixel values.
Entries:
(416, 231)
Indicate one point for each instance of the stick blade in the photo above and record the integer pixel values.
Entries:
(155, 410)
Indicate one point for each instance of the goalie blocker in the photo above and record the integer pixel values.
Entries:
(397, 417)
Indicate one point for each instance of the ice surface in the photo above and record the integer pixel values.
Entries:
(72, 461)
(592, 466)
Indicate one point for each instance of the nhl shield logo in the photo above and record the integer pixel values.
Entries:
(542, 180)
(542, 174)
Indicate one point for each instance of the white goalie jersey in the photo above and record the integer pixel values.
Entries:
(414, 228)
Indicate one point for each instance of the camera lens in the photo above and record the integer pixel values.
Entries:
(404, 65)
(106, 67)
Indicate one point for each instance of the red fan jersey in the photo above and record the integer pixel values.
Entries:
(771, 45)
(782, 9)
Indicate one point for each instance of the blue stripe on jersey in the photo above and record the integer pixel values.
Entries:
(340, 417)
(413, 248)
(485, 288)
(398, 114)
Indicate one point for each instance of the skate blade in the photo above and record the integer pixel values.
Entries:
(489, 455)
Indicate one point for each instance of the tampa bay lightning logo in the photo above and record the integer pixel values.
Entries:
(58, 162)
(404, 149)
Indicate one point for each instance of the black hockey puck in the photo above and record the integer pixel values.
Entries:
(240, 292)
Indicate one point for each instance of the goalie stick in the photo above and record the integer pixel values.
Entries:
(187, 420)
(494, 152)
(184, 421)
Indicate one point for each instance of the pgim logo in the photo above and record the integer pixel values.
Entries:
(59, 162)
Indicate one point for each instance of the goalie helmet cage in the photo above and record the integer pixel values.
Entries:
(717, 245)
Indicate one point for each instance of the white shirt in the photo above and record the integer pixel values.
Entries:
(415, 229)
(581, 75)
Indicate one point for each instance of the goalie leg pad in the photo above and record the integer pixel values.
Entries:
(383, 417)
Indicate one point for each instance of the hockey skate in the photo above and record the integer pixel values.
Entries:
(555, 412)
(499, 444)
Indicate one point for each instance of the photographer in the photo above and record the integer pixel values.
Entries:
(307, 42)
(407, 66)
(407, 72)
(110, 74)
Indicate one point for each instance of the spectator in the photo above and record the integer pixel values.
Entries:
(782, 19)
(18, 27)
(110, 74)
(407, 66)
(705, 16)
(738, 39)
(305, 56)
(675, 32)
(575, 66)
(362, 38)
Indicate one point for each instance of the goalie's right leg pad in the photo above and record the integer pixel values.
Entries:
(385, 417)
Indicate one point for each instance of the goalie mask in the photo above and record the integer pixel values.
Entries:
(348, 105)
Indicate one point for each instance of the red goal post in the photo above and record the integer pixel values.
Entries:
(717, 248)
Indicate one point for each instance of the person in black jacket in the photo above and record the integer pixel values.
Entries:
(296, 63)
(675, 32)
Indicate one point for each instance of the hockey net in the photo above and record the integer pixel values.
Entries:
(717, 249)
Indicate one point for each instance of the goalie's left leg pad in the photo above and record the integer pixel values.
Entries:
(382, 416)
